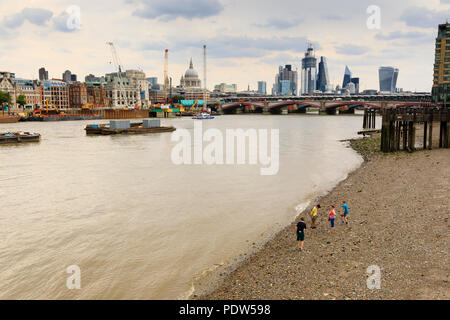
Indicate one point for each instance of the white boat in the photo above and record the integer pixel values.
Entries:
(203, 116)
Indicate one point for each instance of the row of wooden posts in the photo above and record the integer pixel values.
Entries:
(399, 125)
(369, 119)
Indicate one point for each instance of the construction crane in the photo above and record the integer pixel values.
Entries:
(204, 77)
(118, 65)
(166, 74)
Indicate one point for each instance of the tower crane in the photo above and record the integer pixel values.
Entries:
(205, 105)
(166, 74)
(118, 65)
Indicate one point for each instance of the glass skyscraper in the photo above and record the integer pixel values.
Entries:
(262, 87)
(309, 71)
(322, 77)
(347, 77)
(388, 79)
(286, 81)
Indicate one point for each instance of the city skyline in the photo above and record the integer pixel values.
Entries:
(240, 50)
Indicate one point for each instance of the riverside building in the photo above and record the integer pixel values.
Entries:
(441, 77)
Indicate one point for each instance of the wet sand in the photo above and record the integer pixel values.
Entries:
(399, 220)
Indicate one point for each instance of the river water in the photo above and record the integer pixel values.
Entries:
(139, 226)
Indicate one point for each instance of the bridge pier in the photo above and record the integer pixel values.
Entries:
(348, 111)
(266, 109)
(301, 110)
(329, 111)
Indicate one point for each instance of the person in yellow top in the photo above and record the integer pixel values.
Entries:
(314, 216)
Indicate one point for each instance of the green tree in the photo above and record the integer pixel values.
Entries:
(177, 99)
(5, 98)
(21, 100)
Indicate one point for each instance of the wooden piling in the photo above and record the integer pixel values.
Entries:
(430, 133)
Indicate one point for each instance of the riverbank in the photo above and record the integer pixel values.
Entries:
(399, 210)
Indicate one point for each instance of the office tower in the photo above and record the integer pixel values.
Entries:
(388, 79)
(67, 76)
(43, 74)
(286, 81)
(262, 87)
(73, 78)
(309, 71)
(355, 81)
(441, 76)
(323, 80)
(347, 77)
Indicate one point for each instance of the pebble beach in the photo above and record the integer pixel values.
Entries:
(399, 221)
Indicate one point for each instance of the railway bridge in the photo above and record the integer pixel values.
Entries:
(300, 106)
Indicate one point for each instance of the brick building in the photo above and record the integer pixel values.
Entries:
(77, 95)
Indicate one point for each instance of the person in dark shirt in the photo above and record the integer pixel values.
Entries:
(300, 230)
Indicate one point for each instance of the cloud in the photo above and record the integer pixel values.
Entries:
(424, 18)
(172, 9)
(397, 35)
(13, 21)
(36, 16)
(334, 17)
(64, 22)
(349, 49)
(235, 46)
(281, 23)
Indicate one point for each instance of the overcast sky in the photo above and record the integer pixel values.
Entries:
(246, 39)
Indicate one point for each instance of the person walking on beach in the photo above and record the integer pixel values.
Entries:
(314, 216)
(332, 218)
(301, 226)
(344, 213)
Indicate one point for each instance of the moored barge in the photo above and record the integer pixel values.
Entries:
(125, 127)
(19, 137)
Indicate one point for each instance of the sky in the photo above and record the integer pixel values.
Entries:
(246, 39)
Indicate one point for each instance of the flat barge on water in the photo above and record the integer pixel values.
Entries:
(19, 137)
(125, 127)
(9, 119)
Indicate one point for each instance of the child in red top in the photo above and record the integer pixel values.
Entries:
(332, 218)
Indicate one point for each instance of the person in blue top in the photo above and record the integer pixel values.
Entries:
(344, 213)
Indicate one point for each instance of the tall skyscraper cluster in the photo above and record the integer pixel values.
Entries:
(313, 78)
(286, 81)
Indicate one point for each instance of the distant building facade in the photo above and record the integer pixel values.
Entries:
(7, 85)
(43, 74)
(96, 95)
(225, 88)
(441, 75)
(55, 92)
(77, 95)
(93, 78)
(347, 77)
(355, 81)
(137, 79)
(30, 90)
(309, 72)
(323, 80)
(262, 87)
(121, 91)
(388, 79)
(67, 76)
(286, 81)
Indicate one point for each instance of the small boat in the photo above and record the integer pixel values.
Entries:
(203, 116)
(18, 137)
(9, 119)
